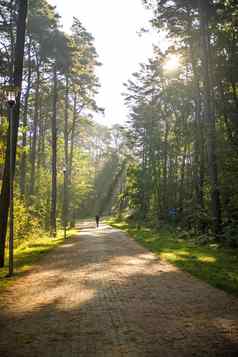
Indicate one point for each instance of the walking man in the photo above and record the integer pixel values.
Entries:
(97, 220)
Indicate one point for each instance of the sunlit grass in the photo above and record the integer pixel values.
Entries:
(207, 259)
(29, 252)
(216, 265)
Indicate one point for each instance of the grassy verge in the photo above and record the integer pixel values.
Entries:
(29, 253)
(216, 265)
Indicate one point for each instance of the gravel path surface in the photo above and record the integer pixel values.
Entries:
(101, 294)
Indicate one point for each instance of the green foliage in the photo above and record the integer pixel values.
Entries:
(59, 86)
(103, 184)
(230, 234)
(183, 153)
(3, 134)
(25, 224)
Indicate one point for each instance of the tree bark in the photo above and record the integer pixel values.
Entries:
(210, 117)
(181, 191)
(165, 174)
(22, 181)
(198, 124)
(54, 157)
(66, 153)
(17, 81)
(41, 137)
(72, 140)
(34, 136)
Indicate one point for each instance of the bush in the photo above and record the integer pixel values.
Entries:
(204, 239)
(25, 224)
(183, 235)
(230, 234)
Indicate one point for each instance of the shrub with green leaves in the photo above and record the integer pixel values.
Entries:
(230, 234)
(25, 224)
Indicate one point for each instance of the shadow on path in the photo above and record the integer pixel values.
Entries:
(101, 294)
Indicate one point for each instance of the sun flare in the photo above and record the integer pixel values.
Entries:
(172, 63)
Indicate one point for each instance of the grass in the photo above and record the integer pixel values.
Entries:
(212, 263)
(28, 253)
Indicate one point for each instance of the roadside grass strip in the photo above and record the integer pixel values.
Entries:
(215, 264)
(29, 252)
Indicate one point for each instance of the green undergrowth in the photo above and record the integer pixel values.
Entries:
(212, 263)
(28, 253)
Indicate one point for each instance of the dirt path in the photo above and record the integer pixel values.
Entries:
(101, 294)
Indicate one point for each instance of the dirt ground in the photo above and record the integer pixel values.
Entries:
(101, 294)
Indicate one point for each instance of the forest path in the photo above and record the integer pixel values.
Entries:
(101, 294)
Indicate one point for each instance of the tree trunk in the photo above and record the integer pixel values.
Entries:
(165, 174)
(144, 191)
(54, 157)
(229, 125)
(34, 136)
(66, 153)
(72, 140)
(210, 117)
(41, 138)
(17, 80)
(198, 135)
(24, 122)
(198, 142)
(181, 191)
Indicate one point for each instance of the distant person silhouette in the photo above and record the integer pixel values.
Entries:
(97, 220)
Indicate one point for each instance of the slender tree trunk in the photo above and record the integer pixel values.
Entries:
(34, 136)
(158, 180)
(198, 135)
(12, 38)
(72, 140)
(17, 80)
(235, 98)
(181, 191)
(54, 157)
(234, 93)
(231, 137)
(165, 174)
(66, 129)
(210, 117)
(198, 145)
(66, 152)
(145, 188)
(43, 152)
(41, 137)
(24, 122)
